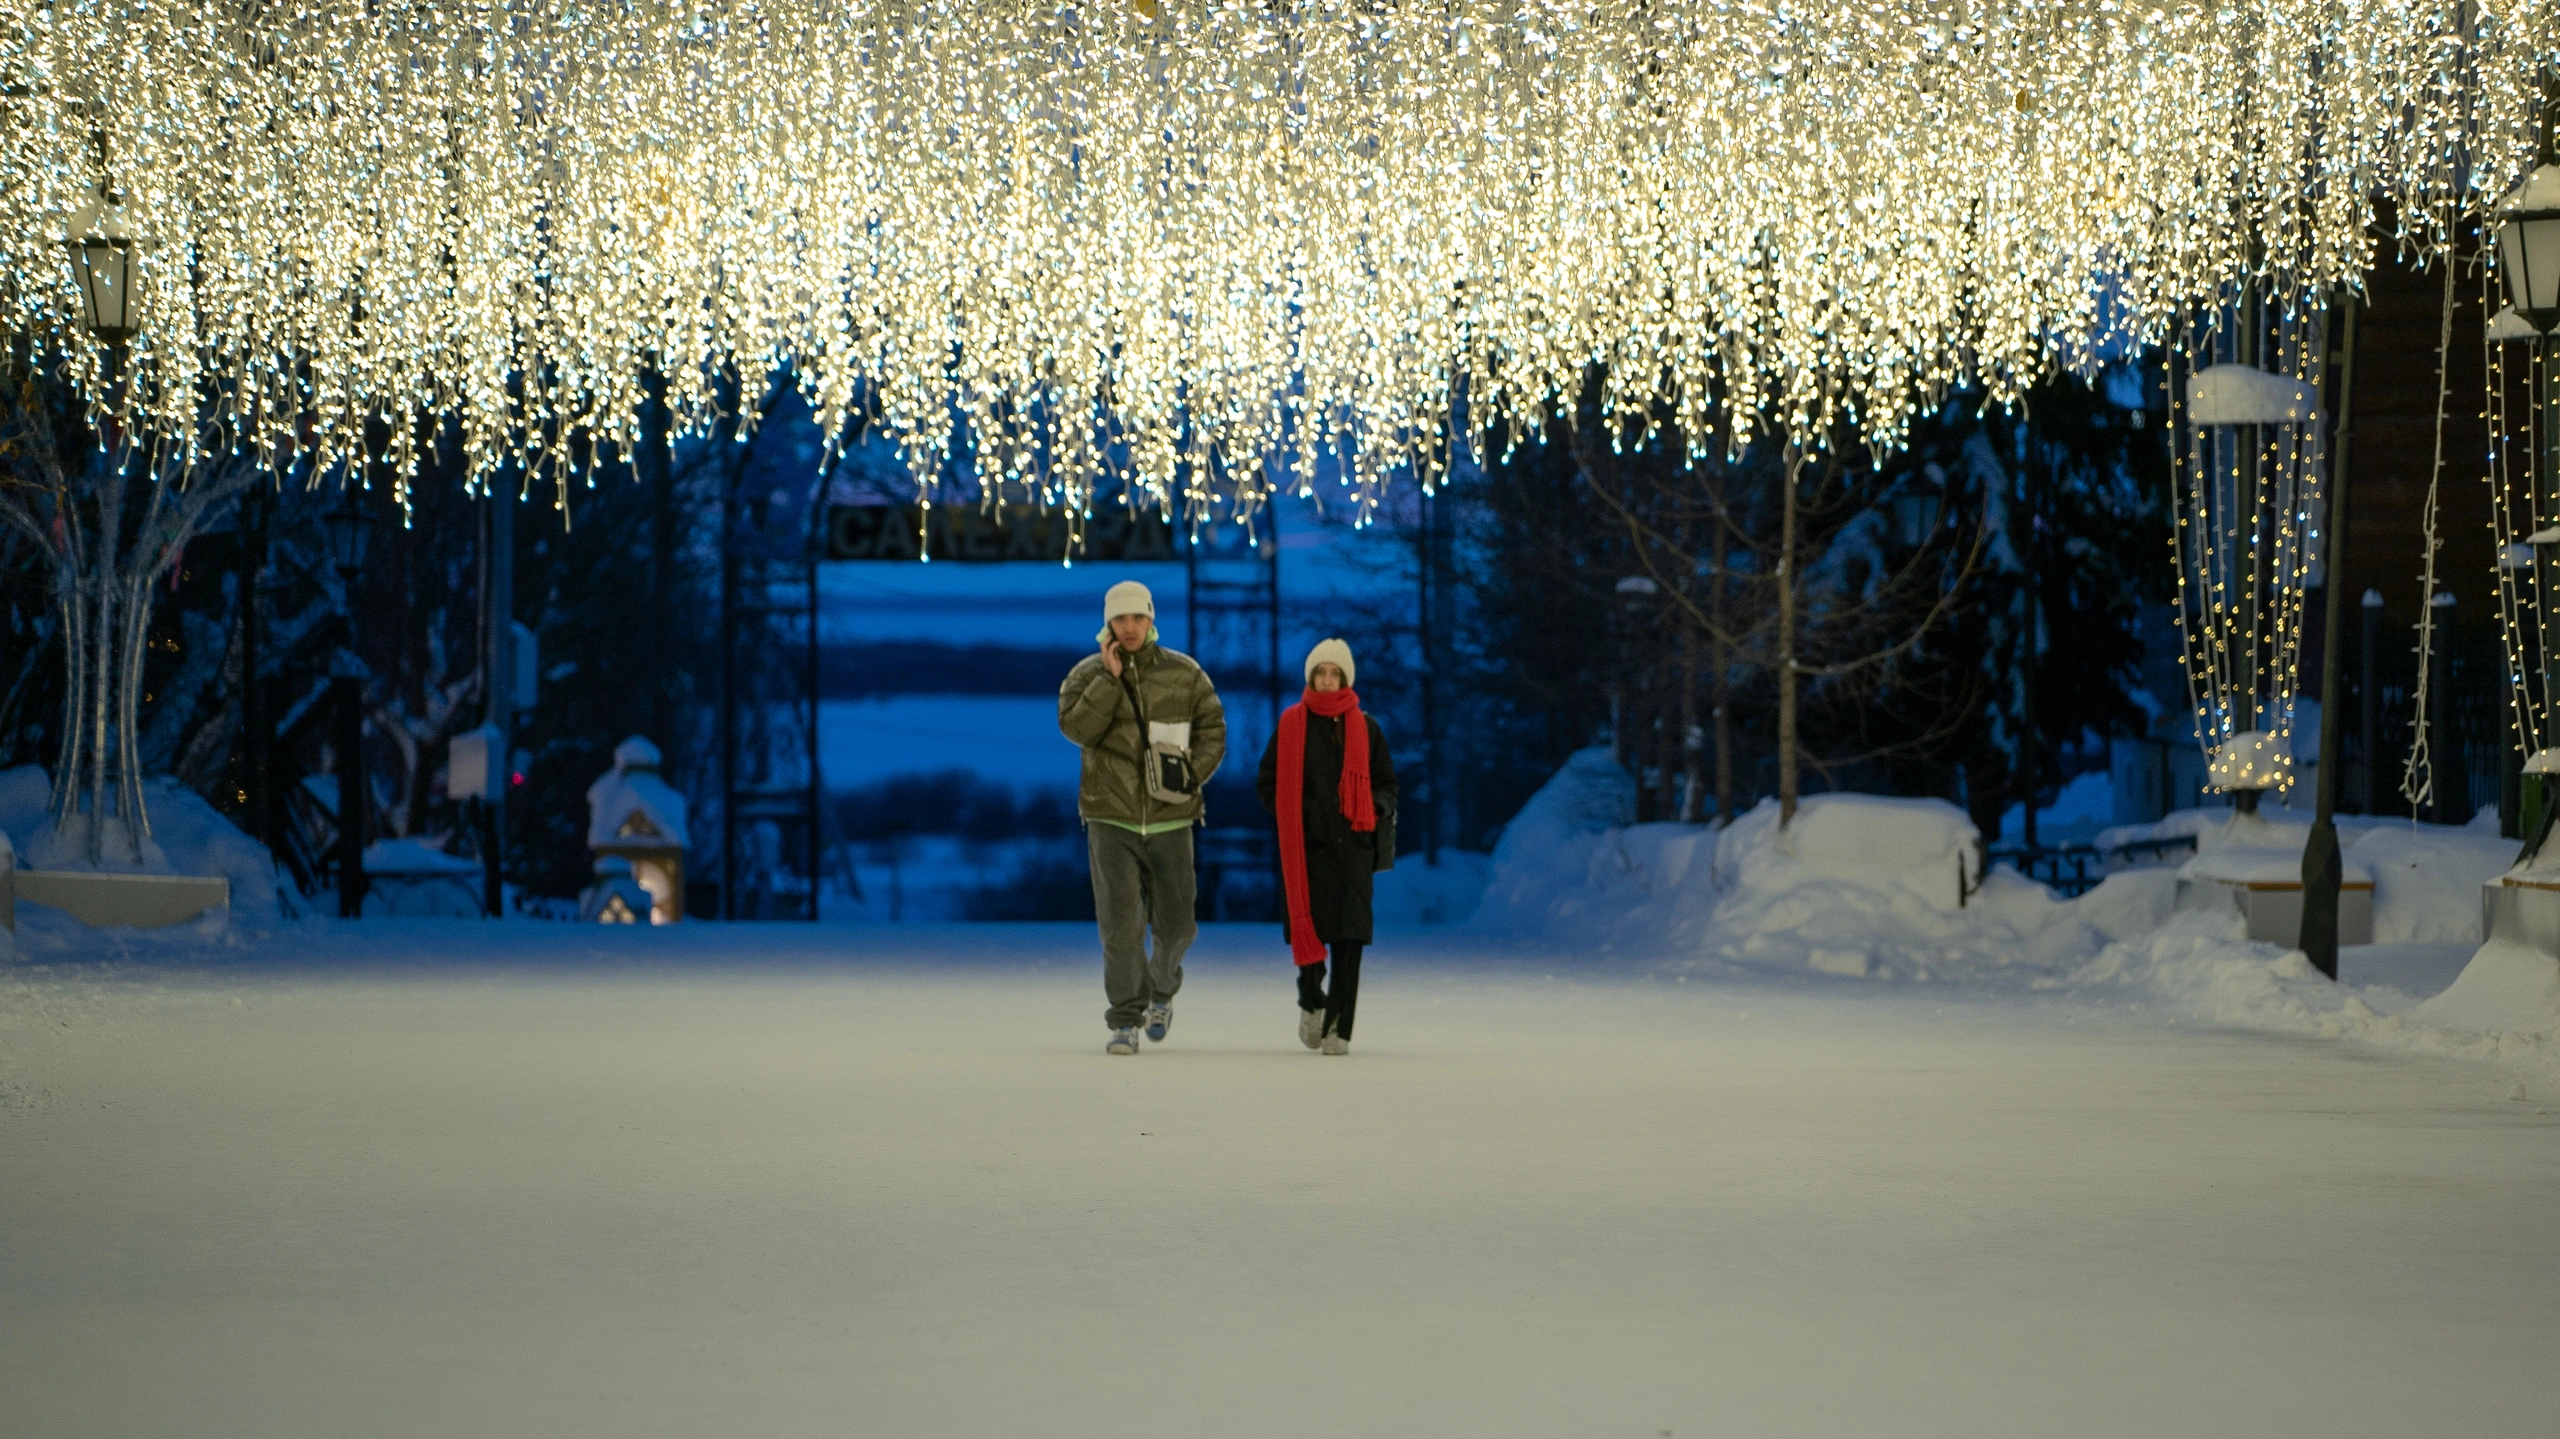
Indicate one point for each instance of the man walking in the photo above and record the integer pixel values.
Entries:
(1153, 733)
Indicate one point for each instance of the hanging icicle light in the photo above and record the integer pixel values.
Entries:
(1216, 249)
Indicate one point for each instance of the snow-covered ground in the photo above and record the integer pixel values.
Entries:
(444, 1178)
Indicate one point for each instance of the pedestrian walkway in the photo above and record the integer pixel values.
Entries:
(533, 1180)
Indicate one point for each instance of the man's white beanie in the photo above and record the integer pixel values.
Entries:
(1332, 652)
(1128, 598)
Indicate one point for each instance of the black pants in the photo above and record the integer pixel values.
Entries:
(1345, 995)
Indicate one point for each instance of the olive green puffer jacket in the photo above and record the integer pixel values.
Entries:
(1093, 710)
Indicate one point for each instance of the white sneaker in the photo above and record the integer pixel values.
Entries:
(1123, 1041)
(1159, 1019)
(1311, 1027)
(1336, 1044)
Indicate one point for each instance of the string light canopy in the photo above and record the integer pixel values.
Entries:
(1163, 243)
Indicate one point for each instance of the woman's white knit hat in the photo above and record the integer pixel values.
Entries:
(1332, 652)
(1128, 598)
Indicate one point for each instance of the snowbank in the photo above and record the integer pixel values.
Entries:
(1858, 886)
(1417, 891)
(2427, 878)
(2507, 990)
(2203, 964)
(188, 836)
(1861, 887)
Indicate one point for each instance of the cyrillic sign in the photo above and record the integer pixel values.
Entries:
(971, 535)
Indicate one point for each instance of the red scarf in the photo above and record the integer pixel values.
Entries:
(1343, 704)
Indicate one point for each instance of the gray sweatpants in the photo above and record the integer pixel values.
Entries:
(1138, 881)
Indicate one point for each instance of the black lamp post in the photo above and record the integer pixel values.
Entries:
(350, 530)
(2528, 239)
(2323, 866)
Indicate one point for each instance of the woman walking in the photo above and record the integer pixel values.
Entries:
(1327, 778)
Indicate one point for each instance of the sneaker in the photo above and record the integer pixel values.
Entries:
(1311, 1027)
(1159, 1019)
(1336, 1044)
(1123, 1041)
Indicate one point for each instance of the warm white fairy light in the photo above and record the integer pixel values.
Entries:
(1168, 241)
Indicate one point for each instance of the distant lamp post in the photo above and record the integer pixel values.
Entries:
(1915, 515)
(350, 532)
(1635, 592)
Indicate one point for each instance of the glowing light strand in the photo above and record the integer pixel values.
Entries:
(1167, 243)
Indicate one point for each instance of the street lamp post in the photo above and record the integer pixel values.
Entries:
(350, 531)
(2528, 240)
(2323, 866)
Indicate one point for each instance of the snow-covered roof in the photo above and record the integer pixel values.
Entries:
(631, 805)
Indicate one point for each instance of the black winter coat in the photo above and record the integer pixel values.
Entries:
(1340, 859)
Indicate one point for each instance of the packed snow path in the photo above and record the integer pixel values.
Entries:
(441, 1180)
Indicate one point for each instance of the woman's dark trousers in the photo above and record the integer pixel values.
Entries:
(1342, 999)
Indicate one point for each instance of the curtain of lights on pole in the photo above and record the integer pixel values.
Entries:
(2248, 452)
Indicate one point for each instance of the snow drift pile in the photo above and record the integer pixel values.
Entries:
(1890, 889)
(1857, 885)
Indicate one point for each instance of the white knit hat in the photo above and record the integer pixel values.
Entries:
(1332, 652)
(1128, 598)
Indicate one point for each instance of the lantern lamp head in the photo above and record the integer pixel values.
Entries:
(102, 261)
(350, 529)
(2529, 248)
(1915, 515)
